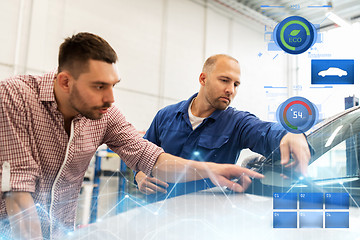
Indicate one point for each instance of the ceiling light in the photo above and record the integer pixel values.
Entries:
(336, 19)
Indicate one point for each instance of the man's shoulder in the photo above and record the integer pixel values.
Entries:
(17, 85)
(233, 112)
(114, 114)
(245, 117)
(21, 83)
(172, 108)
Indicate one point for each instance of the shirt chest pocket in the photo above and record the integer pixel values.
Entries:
(213, 142)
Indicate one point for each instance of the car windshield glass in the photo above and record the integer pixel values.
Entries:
(335, 155)
(336, 146)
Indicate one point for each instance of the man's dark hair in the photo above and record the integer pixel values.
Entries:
(76, 51)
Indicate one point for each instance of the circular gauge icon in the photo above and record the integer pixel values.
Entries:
(297, 114)
(295, 35)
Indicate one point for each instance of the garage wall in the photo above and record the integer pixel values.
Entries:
(161, 45)
(8, 23)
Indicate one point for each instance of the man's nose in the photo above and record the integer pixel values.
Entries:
(230, 89)
(109, 96)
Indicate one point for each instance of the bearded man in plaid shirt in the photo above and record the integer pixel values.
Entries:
(51, 126)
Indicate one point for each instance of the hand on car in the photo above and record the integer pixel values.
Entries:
(175, 169)
(221, 175)
(150, 185)
(297, 146)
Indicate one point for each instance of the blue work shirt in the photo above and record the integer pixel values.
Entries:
(219, 138)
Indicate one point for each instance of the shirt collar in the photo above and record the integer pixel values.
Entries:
(46, 86)
(183, 108)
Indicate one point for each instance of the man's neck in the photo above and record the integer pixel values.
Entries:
(200, 108)
(63, 108)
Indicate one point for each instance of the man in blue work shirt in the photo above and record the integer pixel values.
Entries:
(205, 128)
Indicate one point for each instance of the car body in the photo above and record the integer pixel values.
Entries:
(211, 214)
(217, 213)
(333, 71)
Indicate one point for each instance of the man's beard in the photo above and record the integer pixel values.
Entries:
(218, 104)
(88, 113)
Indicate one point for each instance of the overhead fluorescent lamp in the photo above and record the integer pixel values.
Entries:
(336, 19)
(333, 135)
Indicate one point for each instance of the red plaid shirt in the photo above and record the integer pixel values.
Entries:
(48, 163)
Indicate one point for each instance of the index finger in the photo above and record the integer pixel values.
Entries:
(158, 182)
(302, 157)
(285, 153)
(155, 187)
(239, 186)
(250, 173)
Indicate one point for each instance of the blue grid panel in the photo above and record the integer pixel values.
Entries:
(337, 201)
(285, 201)
(311, 219)
(336, 219)
(284, 219)
(311, 200)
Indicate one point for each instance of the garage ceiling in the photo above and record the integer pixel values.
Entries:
(312, 10)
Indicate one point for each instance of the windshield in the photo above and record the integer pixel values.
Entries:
(336, 148)
(335, 152)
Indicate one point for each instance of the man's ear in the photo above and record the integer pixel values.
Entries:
(63, 80)
(202, 78)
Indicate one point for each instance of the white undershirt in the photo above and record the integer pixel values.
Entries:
(195, 121)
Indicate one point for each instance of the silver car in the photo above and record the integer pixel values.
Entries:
(217, 213)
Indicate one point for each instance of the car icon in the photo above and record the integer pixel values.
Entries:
(333, 71)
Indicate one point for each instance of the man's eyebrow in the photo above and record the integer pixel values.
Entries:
(104, 83)
(228, 78)
(224, 77)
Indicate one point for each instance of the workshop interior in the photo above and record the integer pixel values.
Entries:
(299, 69)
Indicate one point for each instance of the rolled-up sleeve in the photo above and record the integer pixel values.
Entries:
(138, 153)
(15, 136)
